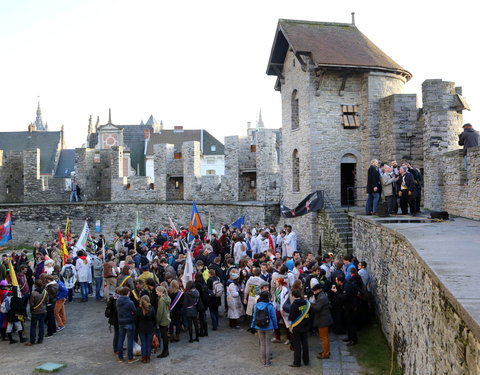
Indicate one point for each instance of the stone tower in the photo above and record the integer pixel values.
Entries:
(443, 123)
(331, 79)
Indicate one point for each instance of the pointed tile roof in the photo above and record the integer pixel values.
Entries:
(336, 45)
(151, 121)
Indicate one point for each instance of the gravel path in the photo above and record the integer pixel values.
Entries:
(85, 347)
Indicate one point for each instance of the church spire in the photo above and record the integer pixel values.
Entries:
(90, 125)
(260, 124)
(38, 120)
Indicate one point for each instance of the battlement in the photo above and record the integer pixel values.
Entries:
(103, 175)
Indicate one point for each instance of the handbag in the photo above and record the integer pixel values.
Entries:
(155, 343)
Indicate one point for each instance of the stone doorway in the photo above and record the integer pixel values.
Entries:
(348, 170)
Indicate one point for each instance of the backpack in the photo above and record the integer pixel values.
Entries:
(262, 318)
(108, 310)
(217, 288)
(5, 306)
(67, 273)
(62, 289)
(307, 290)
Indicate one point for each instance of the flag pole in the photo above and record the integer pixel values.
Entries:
(11, 225)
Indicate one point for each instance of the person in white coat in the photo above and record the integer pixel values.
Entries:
(239, 249)
(235, 307)
(290, 241)
(84, 273)
(281, 296)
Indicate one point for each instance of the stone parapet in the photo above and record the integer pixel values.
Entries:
(431, 330)
(39, 222)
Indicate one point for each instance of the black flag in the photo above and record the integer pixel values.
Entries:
(313, 202)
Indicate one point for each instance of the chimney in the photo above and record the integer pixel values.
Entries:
(353, 18)
(31, 129)
(146, 133)
(178, 128)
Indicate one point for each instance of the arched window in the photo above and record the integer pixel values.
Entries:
(295, 171)
(295, 117)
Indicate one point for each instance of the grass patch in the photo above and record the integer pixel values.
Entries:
(373, 352)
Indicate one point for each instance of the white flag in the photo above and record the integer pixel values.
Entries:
(188, 272)
(82, 240)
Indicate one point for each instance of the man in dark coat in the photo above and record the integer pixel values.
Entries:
(300, 318)
(373, 188)
(322, 319)
(406, 187)
(348, 296)
(468, 139)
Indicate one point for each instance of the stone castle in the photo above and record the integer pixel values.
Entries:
(342, 105)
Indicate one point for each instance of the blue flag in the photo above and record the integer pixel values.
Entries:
(6, 229)
(240, 221)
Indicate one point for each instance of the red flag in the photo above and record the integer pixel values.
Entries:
(63, 247)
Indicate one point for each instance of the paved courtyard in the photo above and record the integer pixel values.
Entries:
(85, 346)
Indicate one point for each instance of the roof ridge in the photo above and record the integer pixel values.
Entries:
(317, 22)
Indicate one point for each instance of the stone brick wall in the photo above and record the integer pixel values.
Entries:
(432, 332)
(93, 171)
(39, 222)
(453, 195)
(230, 187)
(267, 167)
(133, 188)
(442, 126)
(400, 133)
(11, 177)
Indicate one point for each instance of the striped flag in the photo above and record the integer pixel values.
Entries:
(82, 240)
(67, 230)
(6, 229)
(195, 222)
(63, 247)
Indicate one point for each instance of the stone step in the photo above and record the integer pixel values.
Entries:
(347, 226)
(340, 219)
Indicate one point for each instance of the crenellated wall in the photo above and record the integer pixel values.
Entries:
(457, 197)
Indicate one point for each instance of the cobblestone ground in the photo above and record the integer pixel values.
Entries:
(85, 346)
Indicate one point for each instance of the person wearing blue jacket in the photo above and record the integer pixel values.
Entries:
(59, 310)
(126, 314)
(264, 321)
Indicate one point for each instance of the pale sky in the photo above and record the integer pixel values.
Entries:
(200, 64)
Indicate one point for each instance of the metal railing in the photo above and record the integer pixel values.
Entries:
(328, 201)
(354, 189)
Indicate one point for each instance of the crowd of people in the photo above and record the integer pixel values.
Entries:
(159, 287)
(394, 185)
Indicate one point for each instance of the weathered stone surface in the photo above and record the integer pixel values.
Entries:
(418, 289)
(37, 222)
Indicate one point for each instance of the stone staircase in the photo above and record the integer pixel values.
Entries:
(343, 226)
